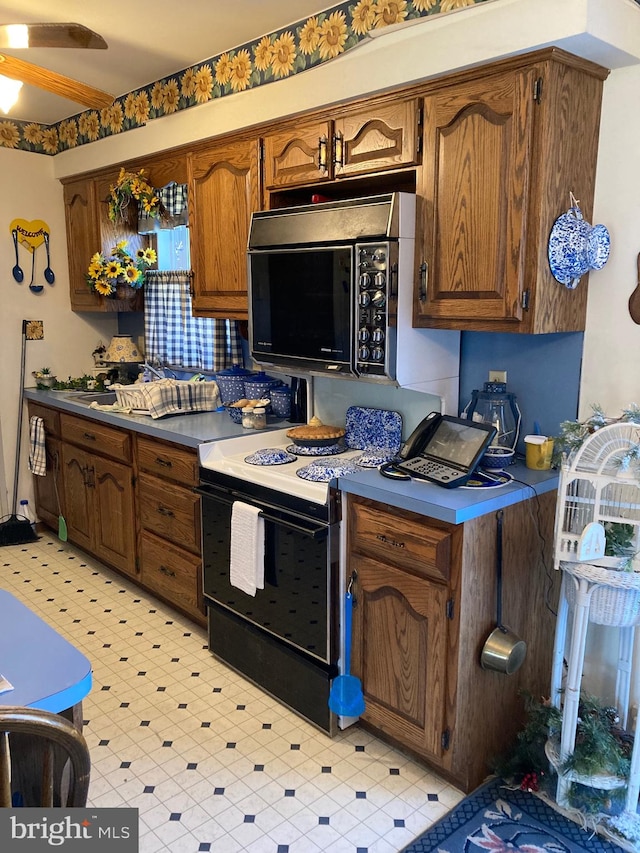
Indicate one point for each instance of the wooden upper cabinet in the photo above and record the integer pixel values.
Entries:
(370, 139)
(297, 154)
(473, 192)
(501, 154)
(384, 136)
(83, 240)
(224, 190)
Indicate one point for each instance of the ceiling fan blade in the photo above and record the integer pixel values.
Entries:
(49, 35)
(34, 75)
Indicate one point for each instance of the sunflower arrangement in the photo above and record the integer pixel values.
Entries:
(121, 268)
(134, 185)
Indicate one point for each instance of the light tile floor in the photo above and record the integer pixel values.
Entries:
(211, 762)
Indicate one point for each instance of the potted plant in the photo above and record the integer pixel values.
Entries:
(44, 377)
(115, 276)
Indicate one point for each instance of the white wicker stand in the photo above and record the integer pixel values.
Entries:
(594, 489)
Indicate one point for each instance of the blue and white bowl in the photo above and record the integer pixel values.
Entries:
(497, 458)
(575, 247)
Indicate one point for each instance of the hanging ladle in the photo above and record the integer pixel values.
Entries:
(34, 288)
(17, 270)
(49, 276)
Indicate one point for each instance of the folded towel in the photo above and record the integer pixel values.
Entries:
(247, 548)
(172, 396)
(37, 452)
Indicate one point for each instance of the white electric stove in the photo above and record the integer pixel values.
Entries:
(228, 457)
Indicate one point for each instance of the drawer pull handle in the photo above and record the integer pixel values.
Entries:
(388, 541)
(164, 511)
(165, 463)
(89, 436)
(169, 572)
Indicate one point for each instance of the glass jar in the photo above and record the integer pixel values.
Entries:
(259, 418)
(247, 417)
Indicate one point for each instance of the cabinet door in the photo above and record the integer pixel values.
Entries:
(399, 653)
(473, 192)
(78, 503)
(224, 190)
(381, 137)
(298, 155)
(114, 515)
(48, 488)
(83, 240)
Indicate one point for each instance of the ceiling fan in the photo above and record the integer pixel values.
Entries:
(51, 35)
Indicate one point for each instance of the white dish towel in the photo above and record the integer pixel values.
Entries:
(247, 548)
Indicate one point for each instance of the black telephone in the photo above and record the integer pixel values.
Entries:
(442, 449)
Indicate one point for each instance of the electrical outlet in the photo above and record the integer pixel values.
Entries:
(497, 376)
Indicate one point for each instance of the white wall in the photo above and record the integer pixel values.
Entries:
(30, 192)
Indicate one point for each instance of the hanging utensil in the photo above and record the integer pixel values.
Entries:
(49, 276)
(634, 299)
(345, 696)
(34, 288)
(17, 270)
(503, 651)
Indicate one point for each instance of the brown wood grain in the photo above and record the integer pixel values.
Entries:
(170, 511)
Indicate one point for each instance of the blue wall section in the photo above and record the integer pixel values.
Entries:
(543, 371)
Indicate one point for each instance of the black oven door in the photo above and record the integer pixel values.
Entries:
(285, 638)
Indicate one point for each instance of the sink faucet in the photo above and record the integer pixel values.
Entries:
(160, 373)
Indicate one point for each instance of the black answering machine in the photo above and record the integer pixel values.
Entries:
(441, 449)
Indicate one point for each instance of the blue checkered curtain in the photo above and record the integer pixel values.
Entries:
(174, 336)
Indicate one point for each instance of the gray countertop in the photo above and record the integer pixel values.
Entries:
(453, 505)
(188, 430)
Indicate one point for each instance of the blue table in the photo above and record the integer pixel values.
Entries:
(46, 671)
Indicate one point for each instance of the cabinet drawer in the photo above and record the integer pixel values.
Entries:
(403, 539)
(50, 417)
(174, 574)
(97, 437)
(168, 460)
(170, 511)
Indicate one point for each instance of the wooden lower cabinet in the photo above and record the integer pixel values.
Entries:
(128, 500)
(169, 516)
(171, 572)
(425, 602)
(99, 507)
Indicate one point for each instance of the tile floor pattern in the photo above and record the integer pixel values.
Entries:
(211, 762)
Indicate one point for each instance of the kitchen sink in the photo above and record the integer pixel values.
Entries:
(105, 398)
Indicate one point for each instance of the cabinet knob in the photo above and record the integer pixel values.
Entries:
(162, 510)
(424, 277)
(164, 463)
(165, 571)
(322, 154)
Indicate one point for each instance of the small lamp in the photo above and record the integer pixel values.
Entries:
(122, 351)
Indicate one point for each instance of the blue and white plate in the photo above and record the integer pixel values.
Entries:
(375, 457)
(329, 450)
(270, 456)
(575, 247)
(324, 470)
(368, 429)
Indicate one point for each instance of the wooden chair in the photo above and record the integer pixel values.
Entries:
(44, 760)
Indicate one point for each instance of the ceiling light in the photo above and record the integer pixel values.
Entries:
(9, 91)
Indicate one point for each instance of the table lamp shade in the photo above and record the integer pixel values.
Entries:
(122, 349)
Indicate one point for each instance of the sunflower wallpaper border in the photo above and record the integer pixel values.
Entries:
(275, 56)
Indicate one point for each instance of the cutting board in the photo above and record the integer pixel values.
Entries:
(373, 428)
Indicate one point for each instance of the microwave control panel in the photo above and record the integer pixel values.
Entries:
(376, 268)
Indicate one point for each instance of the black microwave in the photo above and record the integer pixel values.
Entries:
(323, 285)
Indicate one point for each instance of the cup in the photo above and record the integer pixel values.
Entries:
(539, 449)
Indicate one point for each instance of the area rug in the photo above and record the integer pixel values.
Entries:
(498, 819)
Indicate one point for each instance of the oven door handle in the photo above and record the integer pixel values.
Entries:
(315, 531)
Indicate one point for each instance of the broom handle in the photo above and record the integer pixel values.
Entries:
(16, 470)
